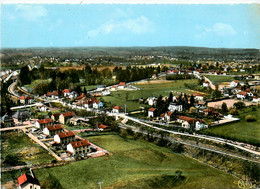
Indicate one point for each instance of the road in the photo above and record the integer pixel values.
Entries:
(136, 129)
(214, 139)
(14, 128)
(212, 86)
(11, 89)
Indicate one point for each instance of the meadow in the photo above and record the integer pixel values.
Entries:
(130, 98)
(220, 79)
(135, 164)
(243, 131)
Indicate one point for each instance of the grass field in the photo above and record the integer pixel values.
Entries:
(89, 87)
(130, 98)
(22, 149)
(219, 79)
(135, 164)
(242, 131)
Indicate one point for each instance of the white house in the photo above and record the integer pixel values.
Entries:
(105, 92)
(97, 104)
(52, 130)
(151, 101)
(188, 122)
(100, 87)
(205, 84)
(42, 123)
(198, 97)
(64, 138)
(73, 95)
(26, 181)
(121, 85)
(66, 92)
(256, 99)
(200, 125)
(242, 95)
(88, 104)
(151, 112)
(78, 147)
(116, 109)
(234, 83)
(175, 107)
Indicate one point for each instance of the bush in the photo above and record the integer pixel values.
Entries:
(250, 118)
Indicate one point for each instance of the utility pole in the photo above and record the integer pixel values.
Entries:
(100, 182)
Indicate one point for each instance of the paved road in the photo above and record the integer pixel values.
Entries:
(220, 140)
(11, 89)
(212, 86)
(136, 129)
(14, 128)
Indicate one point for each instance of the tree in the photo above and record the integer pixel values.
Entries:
(24, 76)
(192, 100)
(224, 107)
(239, 105)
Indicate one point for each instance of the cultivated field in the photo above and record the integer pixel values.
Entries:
(155, 88)
(241, 131)
(135, 164)
(229, 102)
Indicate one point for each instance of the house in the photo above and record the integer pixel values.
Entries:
(200, 124)
(88, 104)
(175, 107)
(102, 127)
(27, 181)
(100, 87)
(151, 101)
(151, 112)
(162, 117)
(256, 99)
(154, 76)
(105, 92)
(234, 83)
(65, 116)
(78, 147)
(52, 130)
(188, 122)
(121, 85)
(54, 94)
(257, 77)
(116, 109)
(97, 104)
(42, 108)
(73, 95)
(66, 92)
(79, 121)
(81, 96)
(7, 121)
(26, 99)
(42, 123)
(64, 138)
(22, 115)
(205, 84)
(198, 97)
(55, 117)
(113, 88)
(211, 112)
(169, 116)
(242, 95)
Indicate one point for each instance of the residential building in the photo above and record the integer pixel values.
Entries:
(102, 127)
(64, 138)
(151, 112)
(7, 121)
(66, 92)
(26, 99)
(79, 121)
(121, 85)
(116, 109)
(188, 122)
(55, 117)
(22, 115)
(205, 84)
(175, 107)
(113, 88)
(198, 97)
(54, 94)
(81, 96)
(242, 95)
(52, 130)
(151, 101)
(65, 116)
(256, 99)
(105, 92)
(97, 104)
(234, 83)
(100, 87)
(42, 123)
(27, 181)
(78, 147)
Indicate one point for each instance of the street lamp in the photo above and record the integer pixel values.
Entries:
(100, 182)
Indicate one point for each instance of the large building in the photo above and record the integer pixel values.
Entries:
(64, 138)
(65, 116)
(42, 123)
(52, 130)
(78, 147)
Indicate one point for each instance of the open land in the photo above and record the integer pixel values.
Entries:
(136, 164)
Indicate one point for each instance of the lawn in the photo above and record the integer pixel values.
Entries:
(20, 150)
(130, 98)
(89, 87)
(243, 131)
(219, 79)
(135, 164)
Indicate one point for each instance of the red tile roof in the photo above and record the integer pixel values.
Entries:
(188, 119)
(68, 114)
(26, 177)
(236, 81)
(26, 97)
(81, 96)
(80, 143)
(117, 107)
(55, 127)
(22, 179)
(66, 91)
(162, 115)
(121, 84)
(53, 93)
(66, 134)
(56, 115)
(243, 93)
(169, 113)
(197, 94)
(151, 109)
(101, 126)
(44, 121)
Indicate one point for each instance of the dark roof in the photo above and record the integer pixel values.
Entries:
(21, 114)
(27, 178)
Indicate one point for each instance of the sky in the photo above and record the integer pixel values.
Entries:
(83, 25)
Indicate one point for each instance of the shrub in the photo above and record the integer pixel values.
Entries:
(250, 118)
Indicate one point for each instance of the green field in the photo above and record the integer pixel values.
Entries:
(135, 164)
(219, 79)
(20, 150)
(130, 98)
(89, 87)
(36, 82)
(243, 131)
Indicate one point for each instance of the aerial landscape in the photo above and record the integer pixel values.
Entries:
(130, 96)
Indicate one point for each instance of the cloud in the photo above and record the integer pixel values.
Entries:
(29, 12)
(139, 25)
(219, 29)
